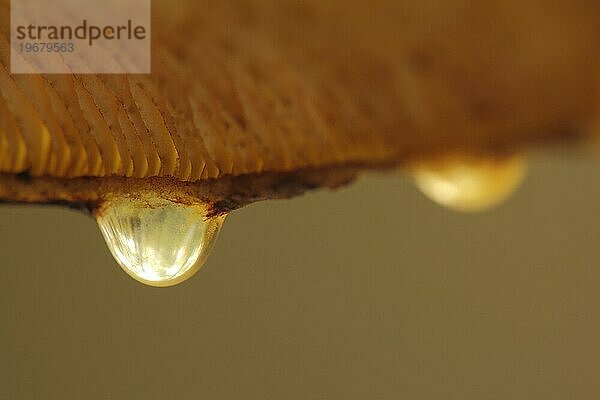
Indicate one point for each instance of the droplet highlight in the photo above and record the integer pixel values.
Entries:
(470, 184)
(156, 241)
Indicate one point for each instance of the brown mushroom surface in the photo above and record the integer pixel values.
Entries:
(250, 100)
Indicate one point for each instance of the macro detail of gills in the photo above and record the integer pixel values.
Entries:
(276, 86)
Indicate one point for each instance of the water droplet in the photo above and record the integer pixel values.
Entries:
(469, 184)
(156, 241)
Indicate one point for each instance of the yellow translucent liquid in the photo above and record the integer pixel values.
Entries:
(470, 185)
(156, 241)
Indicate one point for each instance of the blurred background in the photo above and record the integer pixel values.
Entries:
(368, 292)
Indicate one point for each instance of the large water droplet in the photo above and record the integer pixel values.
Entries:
(469, 184)
(156, 241)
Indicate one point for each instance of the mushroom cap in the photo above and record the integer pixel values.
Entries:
(262, 99)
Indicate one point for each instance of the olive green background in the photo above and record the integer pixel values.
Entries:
(369, 292)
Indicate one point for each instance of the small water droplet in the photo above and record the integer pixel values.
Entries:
(470, 184)
(156, 241)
